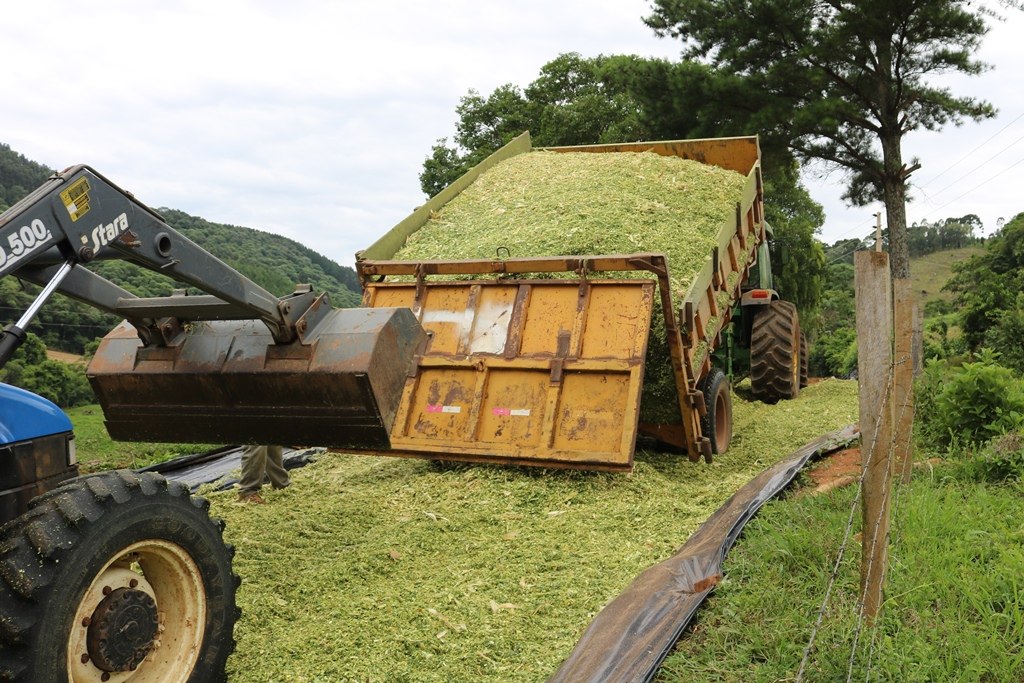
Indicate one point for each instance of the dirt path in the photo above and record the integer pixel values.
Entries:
(63, 357)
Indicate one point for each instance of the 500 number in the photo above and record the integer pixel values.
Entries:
(24, 240)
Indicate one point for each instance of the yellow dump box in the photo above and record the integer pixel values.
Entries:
(524, 368)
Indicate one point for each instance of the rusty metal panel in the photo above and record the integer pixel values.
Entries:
(591, 410)
(615, 327)
(228, 382)
(509, 415)
(542, 372)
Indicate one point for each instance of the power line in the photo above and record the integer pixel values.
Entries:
(966, 156)
(971, 153)
(979, 166)
(979, 185)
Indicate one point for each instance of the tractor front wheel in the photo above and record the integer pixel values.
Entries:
(117, 576)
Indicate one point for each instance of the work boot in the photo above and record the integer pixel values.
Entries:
(251, 497)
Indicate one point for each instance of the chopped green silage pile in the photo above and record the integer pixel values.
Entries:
(582, 203)
(382, 569)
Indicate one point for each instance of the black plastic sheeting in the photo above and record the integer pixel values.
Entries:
(216, 466)
(632, 635)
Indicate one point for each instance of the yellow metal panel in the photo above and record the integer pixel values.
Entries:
(393, 297)
(493, 314)
(616, 324)
(551, 313)
(513, 408)
(446, 317)
(590, 412)
(532, 371)
(441, 405)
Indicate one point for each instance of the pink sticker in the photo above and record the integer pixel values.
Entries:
(431, 408)
(501, 411)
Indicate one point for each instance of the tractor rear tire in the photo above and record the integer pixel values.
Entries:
(117, 575)
(716, 424)
(803, 360)
(775, 353)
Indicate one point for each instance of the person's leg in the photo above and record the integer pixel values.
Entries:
(276, 472)
(254, 465)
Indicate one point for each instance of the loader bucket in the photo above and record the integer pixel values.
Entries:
(227, 382)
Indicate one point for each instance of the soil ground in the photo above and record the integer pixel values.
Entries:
(836, 470)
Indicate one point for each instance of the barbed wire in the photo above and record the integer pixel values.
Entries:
(842, 547)
(867, 572)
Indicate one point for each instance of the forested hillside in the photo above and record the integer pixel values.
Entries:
(18, 176)
(277, 263)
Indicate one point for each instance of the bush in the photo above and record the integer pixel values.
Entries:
(62, 383)
(1006, 333)
(969, 404)
(937, 307)
(942, 340)
(834, 354)
(1001, 460)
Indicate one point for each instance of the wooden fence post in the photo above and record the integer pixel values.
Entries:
(873, 287)
(905, 315)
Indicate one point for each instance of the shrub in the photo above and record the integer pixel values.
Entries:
(969, 404)
(1006, 333)
(937, 307)
(62, 383)
(1001, 460)
(835, 354)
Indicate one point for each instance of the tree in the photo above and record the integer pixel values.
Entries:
(848, 79)
(989, 291)
(570, 103)
(623, 98)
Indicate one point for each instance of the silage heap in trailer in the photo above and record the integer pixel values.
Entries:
(580, 203)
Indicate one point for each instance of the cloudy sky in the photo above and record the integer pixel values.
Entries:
(312, 118)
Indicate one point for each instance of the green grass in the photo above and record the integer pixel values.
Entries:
(954, 608)
(380, 569)
(929, 273)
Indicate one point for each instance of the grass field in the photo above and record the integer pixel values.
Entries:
(929, 273)
(954, 597)
(379, 569)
